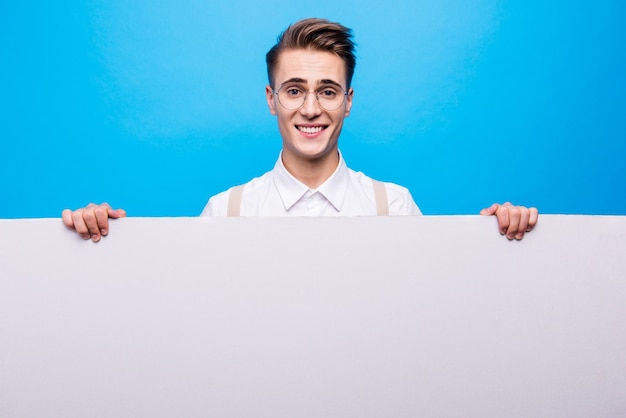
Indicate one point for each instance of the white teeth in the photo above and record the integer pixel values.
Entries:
(310, 130)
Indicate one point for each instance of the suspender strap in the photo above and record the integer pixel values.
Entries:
(234, 200)
(380, 196)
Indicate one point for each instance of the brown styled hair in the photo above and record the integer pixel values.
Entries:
(316, 34)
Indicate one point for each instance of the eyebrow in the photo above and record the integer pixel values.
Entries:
(303, 81)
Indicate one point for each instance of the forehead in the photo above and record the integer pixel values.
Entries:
(309, 65)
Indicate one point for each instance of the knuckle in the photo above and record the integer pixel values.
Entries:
(89, 215)
(99, 211)
(77, 215)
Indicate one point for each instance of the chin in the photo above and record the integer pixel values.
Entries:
(316, 153)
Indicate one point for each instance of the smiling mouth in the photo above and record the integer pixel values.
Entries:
(310, 129)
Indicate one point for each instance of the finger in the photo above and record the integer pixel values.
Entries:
(66, 215)
(532, 220)
(79, 224)
(514, 221)
(523, 223)
(502, 215)
(101, 213)
(89, 217)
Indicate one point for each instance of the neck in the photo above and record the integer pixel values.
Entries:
(311, 172)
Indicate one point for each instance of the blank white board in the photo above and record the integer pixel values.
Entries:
(314, 317)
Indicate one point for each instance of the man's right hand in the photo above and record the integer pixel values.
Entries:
(92, 221)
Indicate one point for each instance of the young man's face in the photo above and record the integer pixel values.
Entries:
(310, 132)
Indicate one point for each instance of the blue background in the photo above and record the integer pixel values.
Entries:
(155, 106)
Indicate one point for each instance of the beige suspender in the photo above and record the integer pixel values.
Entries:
(234, 201)
(380, 197)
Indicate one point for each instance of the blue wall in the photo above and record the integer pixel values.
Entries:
(156, 106)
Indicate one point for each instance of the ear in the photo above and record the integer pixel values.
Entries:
(269, 96)
(349, 102)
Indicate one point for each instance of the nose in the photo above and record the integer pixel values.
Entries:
(311, 106)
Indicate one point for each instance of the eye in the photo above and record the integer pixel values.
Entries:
(327, 93)
(293, 92)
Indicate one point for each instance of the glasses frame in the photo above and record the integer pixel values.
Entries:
(306, 94)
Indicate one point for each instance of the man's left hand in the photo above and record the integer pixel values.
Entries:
(513, 221)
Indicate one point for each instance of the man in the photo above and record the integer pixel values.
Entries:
(310, 72)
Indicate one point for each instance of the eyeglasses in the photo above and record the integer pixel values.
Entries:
(329, 97)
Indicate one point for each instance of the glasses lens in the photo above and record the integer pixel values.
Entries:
(291, 98)
(329, 98)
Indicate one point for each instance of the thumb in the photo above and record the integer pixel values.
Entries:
(491, 210)
(117, 213)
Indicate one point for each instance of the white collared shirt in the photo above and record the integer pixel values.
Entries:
(344, 193)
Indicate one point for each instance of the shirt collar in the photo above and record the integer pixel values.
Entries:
(291, 189)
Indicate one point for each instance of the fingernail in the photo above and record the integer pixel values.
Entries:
(103, 232)
(95, 238)
(85, 236)
(510, 236)
(519, 236)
